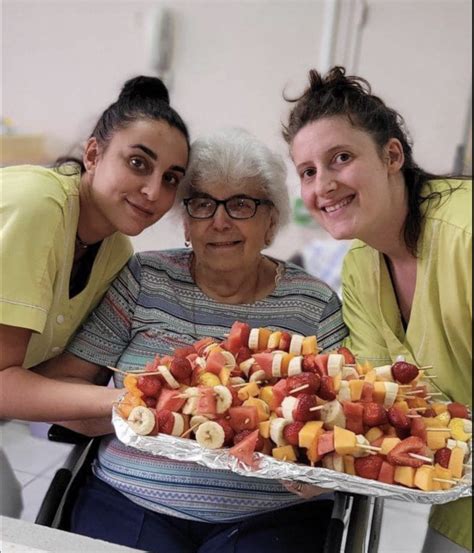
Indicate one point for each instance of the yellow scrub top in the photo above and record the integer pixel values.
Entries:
(440, 327)
(39, 213)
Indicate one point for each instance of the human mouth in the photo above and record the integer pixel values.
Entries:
(337, 206)
(228, 244)
(143, 211)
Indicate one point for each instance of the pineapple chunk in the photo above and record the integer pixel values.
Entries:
(309, 432)
(264, 429)
(436, 439)
(250, 390)
(405, 476)
(424, 478)
(284, 453)
(345, 441)
(456, 461)
(356, 389)
(388, 444)
(444, 474)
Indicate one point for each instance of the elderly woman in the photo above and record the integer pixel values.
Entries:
(234, 200)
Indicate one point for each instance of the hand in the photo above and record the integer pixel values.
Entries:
(306, 491)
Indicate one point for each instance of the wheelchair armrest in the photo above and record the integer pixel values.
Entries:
(57, 433)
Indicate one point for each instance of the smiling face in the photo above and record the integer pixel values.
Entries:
(221, 243)
(132, 182)
(348, 186)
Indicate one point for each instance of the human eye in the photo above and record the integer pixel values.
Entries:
(172, 179)
(138, 163)
(342, 157)
(307, 173)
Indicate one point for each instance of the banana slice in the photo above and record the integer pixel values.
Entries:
(276, 364)
(201, 362)
(258, 376)
(391, 393)
(287, 407)
(359, 452)
(295, 366)
(196, 421)
(210, 435)
(178, 426)
(169, 378)
(344, 393)
(246, 365)
(141, 420)
(253, 338)
(277, 426)
(296, 344)
(236, 381)
(349, 372)
(335, 364)
(457, 443)
(229, 360)
(190, 407)
(333, 461)
(332, 415)
(223, 399)
(207, 350)
(384, 373)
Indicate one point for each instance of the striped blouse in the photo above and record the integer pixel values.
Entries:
(153, 307)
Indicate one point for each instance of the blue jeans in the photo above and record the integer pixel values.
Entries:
(103, 513)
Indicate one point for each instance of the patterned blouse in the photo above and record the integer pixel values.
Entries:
(153, 307)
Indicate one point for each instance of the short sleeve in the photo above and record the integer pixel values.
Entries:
(32, 217)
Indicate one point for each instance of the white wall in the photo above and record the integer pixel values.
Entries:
(64, 62)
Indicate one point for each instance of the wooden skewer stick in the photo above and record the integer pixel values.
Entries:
(421, 458)
(419, 408)
(414, 392)
(425, 367)
(430, 376)
(437, 429)
(303, 387)
(414, 416)
(245, 384)
(369, 447)
(317, 408)
(467, 466)
(433, 394)
(445, 480)
(189, 430)
(119, 370)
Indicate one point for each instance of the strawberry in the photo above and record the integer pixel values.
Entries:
(149, 385)
(184, 351)
(418, 428)
(374, 414)
(399, 455)
(302, 410)
(316, 364)
(349, 358)
(243, 354)
(285, 340)
(311, 380)
(326, 389)
(398, 419)
(165, 421)
(239, 436)
(181, 369)
(442, 457)
(368, 467)
(156, 428)
(228, 431)
(404, 372)
(291, 431)
(458, 410)
(150, 401)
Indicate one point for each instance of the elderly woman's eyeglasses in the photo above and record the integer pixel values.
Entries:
(237, 207)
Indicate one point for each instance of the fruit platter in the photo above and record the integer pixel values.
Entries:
(268, 404)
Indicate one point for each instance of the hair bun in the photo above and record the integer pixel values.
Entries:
(144, 88)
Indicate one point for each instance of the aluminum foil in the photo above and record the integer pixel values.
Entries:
(182, 449)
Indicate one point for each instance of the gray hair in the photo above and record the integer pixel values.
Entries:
(234, 156)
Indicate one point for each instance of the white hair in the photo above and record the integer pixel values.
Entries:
(234, 157)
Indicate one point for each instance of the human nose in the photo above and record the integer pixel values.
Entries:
(325, 182)
(151, 189)
(221, 219)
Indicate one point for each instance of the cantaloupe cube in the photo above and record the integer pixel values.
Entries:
(345, 441)
(433, 422)
(379, 392)
(337, 382)
(436, 439)
(356, 389)
(250, 390)
(285, 363)
(443, 474)
(405, 476)
(262, 408)
(310, 345)
(349, 465)
(263, 337)
(309, 432)
(374, 434)
(456, 462)
(443, 418)
(284, 453)
(312, 452)
(439, 408)
(424, 478)
(224, 375)
(370, 376)
(402, 405)
(388, 444)
(264, 429)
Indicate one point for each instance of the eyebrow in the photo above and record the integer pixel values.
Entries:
(329, 151)
(154, 156)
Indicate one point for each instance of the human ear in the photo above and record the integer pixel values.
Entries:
(395, 155)
(91, 154)
(187, 231)
(271, 230)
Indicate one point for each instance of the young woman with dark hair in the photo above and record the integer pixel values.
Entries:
(407, 278)
(65, 238)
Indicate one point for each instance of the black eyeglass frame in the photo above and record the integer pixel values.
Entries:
(217, 203)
